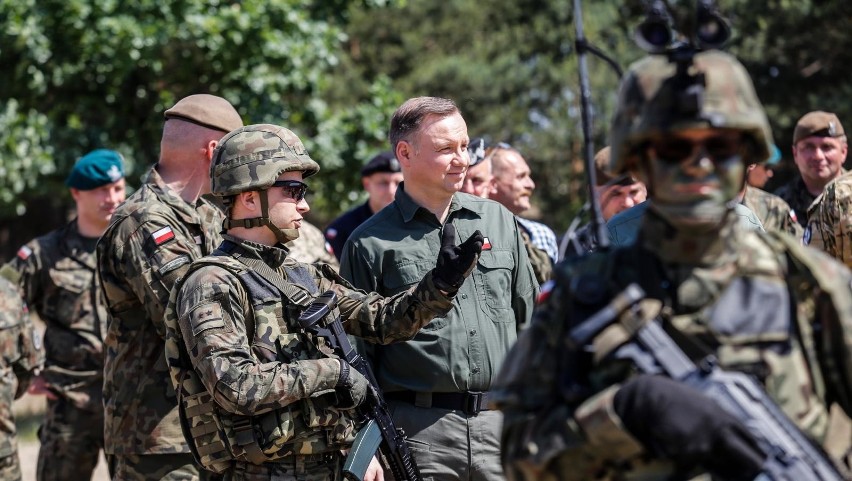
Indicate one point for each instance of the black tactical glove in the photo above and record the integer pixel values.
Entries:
(351, 387)
(676, 421)
(455, 263)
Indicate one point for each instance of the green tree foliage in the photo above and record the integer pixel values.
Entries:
(84, 74)
(81, 74)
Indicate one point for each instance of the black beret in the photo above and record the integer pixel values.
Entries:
(383, 162)
(476, 150)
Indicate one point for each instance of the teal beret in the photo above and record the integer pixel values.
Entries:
(97, 168)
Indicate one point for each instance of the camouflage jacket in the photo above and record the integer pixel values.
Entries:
(738, 308)
(797, 196)
(252, 358)
(20, 357)
(153, 237)
(774, 213)
(830, 223)
(57, 276)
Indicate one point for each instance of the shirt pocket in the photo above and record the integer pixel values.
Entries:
(493, 280)
(405, 275)
(64, 303)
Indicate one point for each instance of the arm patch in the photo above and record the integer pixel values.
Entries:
(206, 316)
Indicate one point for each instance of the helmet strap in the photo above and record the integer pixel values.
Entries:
(283, 236)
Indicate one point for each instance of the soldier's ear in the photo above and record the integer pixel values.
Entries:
(249, 201)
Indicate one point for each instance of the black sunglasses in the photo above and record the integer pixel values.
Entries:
(718, 148)
(294, 188)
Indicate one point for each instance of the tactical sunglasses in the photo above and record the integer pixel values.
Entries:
(293, 188)
(717, 147)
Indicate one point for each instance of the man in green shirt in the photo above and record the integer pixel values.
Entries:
(438, 382)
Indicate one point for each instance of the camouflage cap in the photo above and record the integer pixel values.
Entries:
(818, 124)
(649, 106)
(252, 158)
(207, 111)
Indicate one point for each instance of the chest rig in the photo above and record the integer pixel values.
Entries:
(220, 439)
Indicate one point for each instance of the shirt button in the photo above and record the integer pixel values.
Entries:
(475, 370)
(464, 296)
(473, 332)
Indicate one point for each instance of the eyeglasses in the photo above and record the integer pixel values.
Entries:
(294, 189)
(718, 148)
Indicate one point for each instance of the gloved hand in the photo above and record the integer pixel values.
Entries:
(678, 422)
(455, 263)
(351, 388)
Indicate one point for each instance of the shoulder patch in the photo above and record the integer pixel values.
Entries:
(330, 234)
(163, 235)
(205, 317)
(806, 238)
(486, 244)
(793, 215)
(24, 253)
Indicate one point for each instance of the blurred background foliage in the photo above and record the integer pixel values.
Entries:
(76, 75)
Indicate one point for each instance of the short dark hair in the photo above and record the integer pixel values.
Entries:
(410, 115)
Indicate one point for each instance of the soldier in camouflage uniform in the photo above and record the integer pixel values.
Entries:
(239, 359)
(819, 150)
(56, 273)
(830, 224)
(311, 246)
(774, 213)
(760, 302)
(152, 239)
(20, 359)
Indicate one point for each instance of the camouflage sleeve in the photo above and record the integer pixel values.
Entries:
(524, 284)
(573, 437)
(541, 264)
(140, 261)
(24, 270)
(211, 307)
(828, 225)
(384, 320)
(20, 342)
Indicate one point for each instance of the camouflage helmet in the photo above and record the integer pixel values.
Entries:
(252, 158)
(649, 106)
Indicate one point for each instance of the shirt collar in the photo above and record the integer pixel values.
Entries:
(408, 207)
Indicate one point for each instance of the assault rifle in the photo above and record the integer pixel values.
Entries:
(380, 431)
(790, 455)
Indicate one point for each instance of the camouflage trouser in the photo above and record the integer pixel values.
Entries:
(147, 467)
(320, 467)
(10, 467)
(71, 439)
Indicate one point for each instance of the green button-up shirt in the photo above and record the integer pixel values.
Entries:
(464, 350)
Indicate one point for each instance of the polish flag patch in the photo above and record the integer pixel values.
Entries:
(163, 235)
(24, 253)
(486, 244)
(545, 291)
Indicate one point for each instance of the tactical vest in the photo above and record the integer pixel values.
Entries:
(218, 439)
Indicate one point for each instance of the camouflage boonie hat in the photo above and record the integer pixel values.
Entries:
(252, 158)
(648, 106)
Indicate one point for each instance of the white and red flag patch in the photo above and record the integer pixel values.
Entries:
(163, 235)
(24, 252)
(486, 244)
